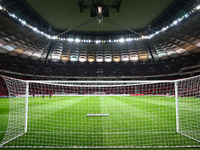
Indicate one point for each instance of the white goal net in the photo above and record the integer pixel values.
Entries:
(103, 114)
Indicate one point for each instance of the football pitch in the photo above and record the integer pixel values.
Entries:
(133, 121)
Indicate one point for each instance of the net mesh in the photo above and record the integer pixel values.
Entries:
(16, 123)
(189, 108)
(138, 114)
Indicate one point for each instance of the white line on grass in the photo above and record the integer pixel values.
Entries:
(95, 133)
(101, 132)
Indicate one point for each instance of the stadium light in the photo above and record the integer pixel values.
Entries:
(82, 59)
(91, 60)
(77, 40)
(121, 40)
(198, 7)
(129, 39)
(116, 40)
(98, 41)
(175, 22)
(70, 39)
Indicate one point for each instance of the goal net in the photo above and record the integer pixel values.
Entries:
(103, 114)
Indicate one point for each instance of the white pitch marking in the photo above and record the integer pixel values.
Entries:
(102, 132)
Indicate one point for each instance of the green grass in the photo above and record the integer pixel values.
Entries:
(132, 122)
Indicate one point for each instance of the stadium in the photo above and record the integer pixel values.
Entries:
(100, 74)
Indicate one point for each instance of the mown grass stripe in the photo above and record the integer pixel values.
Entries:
(133, 121)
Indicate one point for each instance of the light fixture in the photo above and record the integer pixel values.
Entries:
(198, 7)
(77, 40)
(99, 15)
(70, 39)
(35, 29)
(98, 41)
(121, 40)
(175, 22)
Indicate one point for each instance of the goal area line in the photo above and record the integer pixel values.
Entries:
(95, 133)
(101, 147)
(101, 132)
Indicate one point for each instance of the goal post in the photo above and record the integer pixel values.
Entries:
(103, 114)
(176, 100)
(26, 107)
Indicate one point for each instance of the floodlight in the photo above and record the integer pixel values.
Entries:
(121, 40)
(77, 40)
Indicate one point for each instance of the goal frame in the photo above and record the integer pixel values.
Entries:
(27, 82)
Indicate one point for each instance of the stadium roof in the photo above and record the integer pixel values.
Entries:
(65, 14)
(62, 31)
